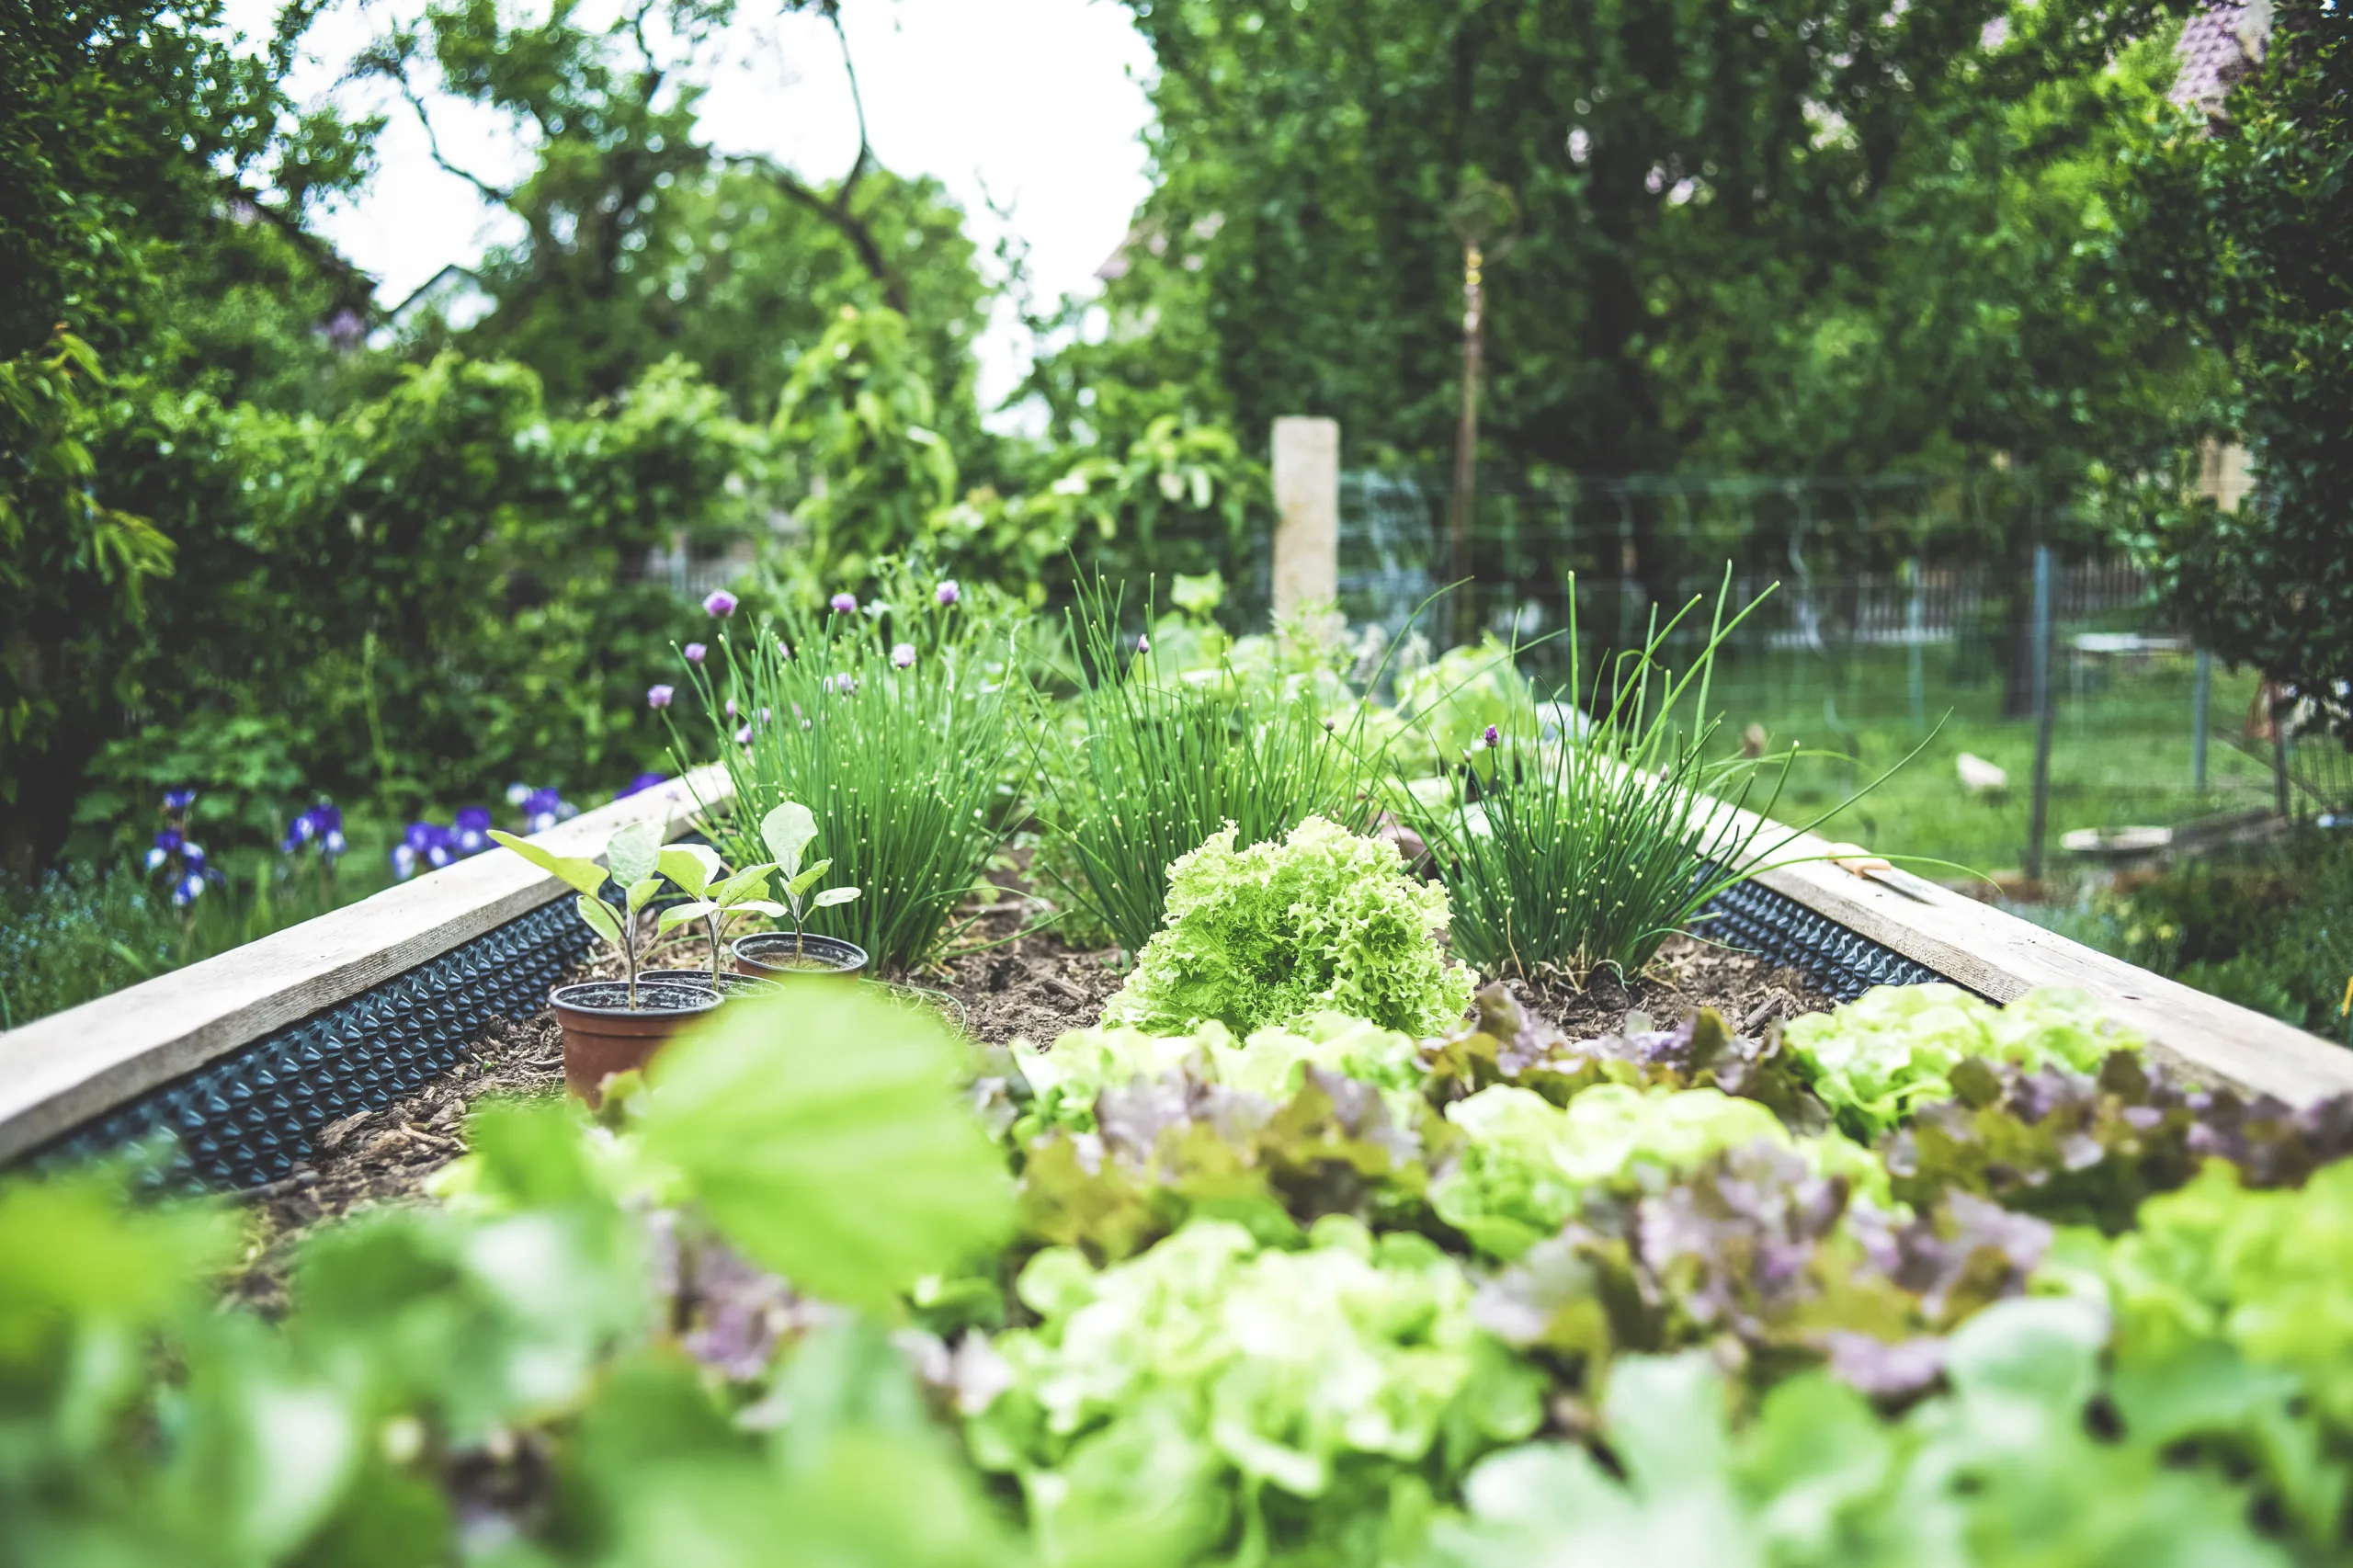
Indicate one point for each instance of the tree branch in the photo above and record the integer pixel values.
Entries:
(837, 213)
(857, 103)
(490, 192)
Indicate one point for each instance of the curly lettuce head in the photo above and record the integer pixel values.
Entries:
(1895, 1047)
(1529, 1163)
(1323, 921)
(1328, 1374)
(1270, 1062)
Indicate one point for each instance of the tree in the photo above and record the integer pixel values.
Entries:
(640, 241)
(1772, 236)
(2244, 228)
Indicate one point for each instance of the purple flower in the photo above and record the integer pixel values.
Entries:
(1143, 644)
(643, 781)
(743, 736)
(471, 835)
(421, 835)
(903, 656)
(177, 801)
(192, 856)
(695, 653)
(517, 792)
(728, 708)
(333, 844)
(783, 649)
(188, 888)
(659, 696)
(948, 593)
(404, 861)
(169, 840)
(720, 605)
(843, 603)
(1493, 738)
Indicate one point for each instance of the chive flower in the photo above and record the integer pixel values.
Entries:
(903, 656)
(720, 605)
(844, 604)
(659, 696)
(1494, 739)
(695, 653)
(948, 593)
(743, 736)
(1143, 644)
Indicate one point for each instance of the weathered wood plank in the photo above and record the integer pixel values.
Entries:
(61, 1071)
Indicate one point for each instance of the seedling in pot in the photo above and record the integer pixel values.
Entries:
(716, 894)
(789, 831)
(632, 859)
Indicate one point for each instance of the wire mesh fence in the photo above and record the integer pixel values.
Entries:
(1894, 617)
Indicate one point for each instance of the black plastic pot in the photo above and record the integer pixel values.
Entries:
(603, 1035)
(731, 984)
(771, 955)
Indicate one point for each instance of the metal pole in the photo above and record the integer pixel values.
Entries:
(2040, 821)
(1466, 440)
(2201, 697)
(1912, 621)
(2279, 751)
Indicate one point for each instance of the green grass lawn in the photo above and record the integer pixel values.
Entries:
(2120, 757)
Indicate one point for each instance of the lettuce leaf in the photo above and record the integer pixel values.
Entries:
(1274, 933)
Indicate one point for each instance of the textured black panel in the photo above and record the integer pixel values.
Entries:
(249, 1116)
(1779, 928)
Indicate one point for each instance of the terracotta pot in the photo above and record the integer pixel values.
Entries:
(731, 984)
(771, 955)
(603, 1036)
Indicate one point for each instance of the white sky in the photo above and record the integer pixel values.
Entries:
(1042, 101)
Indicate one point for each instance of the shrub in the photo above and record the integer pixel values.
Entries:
(1322, 921)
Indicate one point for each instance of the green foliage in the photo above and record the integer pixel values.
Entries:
(1878, 1059)
(2001, 1470)
(631, 861)
(1276, 932)
(1214, 1396)
(1070, 1074)
(904, 767)
(73, 576)
(1777, 238)
(1529, 1163)
(1167, 753)
(2237, 226)
(429, 1348)
(774, 1126)
(2232, 1332)
(860, 414)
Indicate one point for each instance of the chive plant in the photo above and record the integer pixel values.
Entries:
(1568, 854)
(1157, 766)
(896, 727)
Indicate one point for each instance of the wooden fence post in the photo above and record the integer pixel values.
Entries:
(1307, 511)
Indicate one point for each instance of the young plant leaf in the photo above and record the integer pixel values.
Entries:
(634, 853)
(743, 884)
(679, 914)
(642, 892)
(808, 879)
(601, 919)
(693, 866)
(767, 906)
(851, 1173)
(787, 831)
(831, 896)
(583, 874)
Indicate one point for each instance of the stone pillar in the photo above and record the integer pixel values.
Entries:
(1307, 511)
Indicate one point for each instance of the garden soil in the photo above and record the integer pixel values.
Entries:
(1009, 983)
